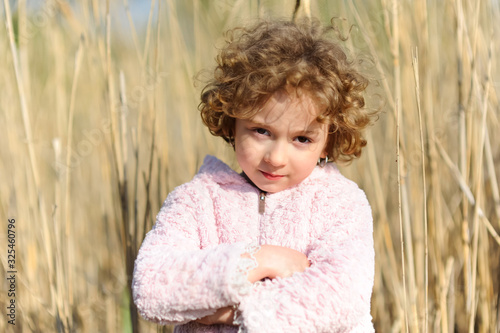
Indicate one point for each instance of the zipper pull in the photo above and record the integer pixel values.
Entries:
(262, 202)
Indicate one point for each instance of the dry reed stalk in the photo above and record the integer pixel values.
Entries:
(305, 5)
(375, 174)
(115, 141)
(22, 95)
(410, 252)
(134, 33)
(119, 147)
(374, 169)
(401, 228)
(67, 206)
(66, 10)
(133, 238)
(307, 8)
(424, 189)
(466, 190)
(374, 53)
(138, 138)
(60, 284)
(477, 180)
(111, 98)
(379, 197)
(413, 291)
(387, 250)
(148, 31)
(180, 58)
(34, 186)
(490, 164)
(101, 39)
(463, 168)
(436, 232)
(125, 204)
(23, 49)
(148, 178)
(474, 302)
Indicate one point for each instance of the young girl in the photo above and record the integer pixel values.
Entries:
(286, 245)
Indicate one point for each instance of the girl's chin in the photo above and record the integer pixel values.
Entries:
(271, 188)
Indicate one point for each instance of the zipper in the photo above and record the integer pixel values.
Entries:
(262, 194)
(262, 202)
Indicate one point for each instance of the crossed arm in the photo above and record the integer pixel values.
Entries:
(272, 261)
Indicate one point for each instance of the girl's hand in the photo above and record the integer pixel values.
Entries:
(277, 261)
(273, 261)
(222, 316)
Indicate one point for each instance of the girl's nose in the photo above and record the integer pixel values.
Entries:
(276, 155)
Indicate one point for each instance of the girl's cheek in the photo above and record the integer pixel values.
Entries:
(249, 147)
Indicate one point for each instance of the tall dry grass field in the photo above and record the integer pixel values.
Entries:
(98, 118)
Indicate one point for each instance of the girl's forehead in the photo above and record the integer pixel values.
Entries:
(298, 102)
(292, 109)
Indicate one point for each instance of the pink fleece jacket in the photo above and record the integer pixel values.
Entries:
(189, 265)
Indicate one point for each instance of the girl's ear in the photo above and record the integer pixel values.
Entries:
(324, 153)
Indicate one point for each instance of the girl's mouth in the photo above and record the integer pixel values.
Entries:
(271, 176)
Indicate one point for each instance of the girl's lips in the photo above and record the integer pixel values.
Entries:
(271, 176)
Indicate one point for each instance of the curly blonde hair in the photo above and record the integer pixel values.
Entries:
(258, 61)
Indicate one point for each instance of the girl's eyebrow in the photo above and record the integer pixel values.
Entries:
(302, 132)
(310, 133)
(307, 132)
(257, 123)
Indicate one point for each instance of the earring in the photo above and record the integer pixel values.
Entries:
(322, 161)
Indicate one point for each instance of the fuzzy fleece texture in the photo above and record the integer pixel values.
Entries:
(189, 264)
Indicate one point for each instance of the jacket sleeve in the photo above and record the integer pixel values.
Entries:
(333, 294)
(175, 281)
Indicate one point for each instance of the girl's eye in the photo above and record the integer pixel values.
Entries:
(261, 131)
(303, 139)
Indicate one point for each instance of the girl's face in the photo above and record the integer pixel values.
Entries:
(280, 146)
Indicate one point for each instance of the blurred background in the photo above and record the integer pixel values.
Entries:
(99, 122)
